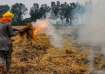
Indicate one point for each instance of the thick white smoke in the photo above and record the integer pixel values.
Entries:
(92, 29)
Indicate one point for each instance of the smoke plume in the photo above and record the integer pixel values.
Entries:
(46, 27)
(92, 29)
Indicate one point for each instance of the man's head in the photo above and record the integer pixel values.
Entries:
(6, 17)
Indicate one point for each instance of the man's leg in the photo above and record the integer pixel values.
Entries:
(8, 59)
(3, 69)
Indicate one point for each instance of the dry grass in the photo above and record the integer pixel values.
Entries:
(39, 57)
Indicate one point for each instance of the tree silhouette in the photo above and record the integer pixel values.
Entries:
(19, 10)
(34, 12)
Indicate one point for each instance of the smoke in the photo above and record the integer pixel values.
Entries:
(46, 27)
(92, 28)
(55, 38)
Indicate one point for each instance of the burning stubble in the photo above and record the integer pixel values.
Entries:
(44, 26)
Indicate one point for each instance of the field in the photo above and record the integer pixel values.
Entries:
(38, 56)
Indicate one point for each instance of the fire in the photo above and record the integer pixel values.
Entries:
(40, 27)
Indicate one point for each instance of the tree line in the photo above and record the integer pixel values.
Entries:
(56, 9)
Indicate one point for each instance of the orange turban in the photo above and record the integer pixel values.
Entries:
(7, 17)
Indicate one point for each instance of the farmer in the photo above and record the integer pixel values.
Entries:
(5, 42)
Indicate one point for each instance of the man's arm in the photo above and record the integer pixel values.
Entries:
(11, 31)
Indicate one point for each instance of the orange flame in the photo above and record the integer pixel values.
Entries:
(40, 27)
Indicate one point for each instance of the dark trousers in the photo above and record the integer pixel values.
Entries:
(5, 59)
